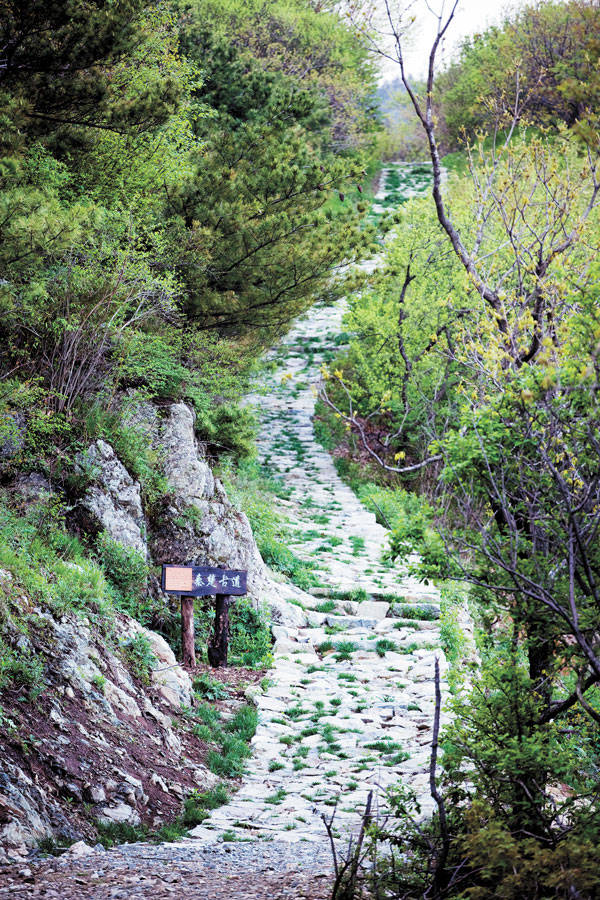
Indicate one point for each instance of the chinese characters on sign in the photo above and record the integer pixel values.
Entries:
(203, 581)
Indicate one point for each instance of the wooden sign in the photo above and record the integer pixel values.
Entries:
(203, 581)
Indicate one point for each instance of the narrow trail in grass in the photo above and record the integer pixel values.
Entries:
(350, 706)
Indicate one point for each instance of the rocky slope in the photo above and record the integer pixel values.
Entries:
(99, 743)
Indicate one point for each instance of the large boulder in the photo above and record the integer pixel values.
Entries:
(187, 472)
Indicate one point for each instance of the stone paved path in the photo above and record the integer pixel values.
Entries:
(351, 705)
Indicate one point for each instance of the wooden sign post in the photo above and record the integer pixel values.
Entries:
(202, 581)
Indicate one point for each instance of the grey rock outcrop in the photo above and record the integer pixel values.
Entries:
(114, 500)
(101, 738)
(188, 474)
(216, 532)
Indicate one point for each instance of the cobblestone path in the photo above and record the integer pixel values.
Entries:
(351, 701)
(351, 706)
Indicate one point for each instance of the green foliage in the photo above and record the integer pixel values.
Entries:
(126, 568)
(326, 607)
(254, 491)
(197, 805)
(250, 635)
(412, 523)
(230, 760)
(383, 645)
(244, 722)
(196, 808)
(151, 217)
(22, 672)
(111, 834)
(139, 656)
(209, 688)
(50, 568)
(543, 57)
(451, 634)
(269, 137)
(344, 650)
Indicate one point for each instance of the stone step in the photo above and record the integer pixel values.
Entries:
(351, 622)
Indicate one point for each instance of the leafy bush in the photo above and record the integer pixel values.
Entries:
(139, 656)
(229, 428)
(110, 834)
(383, 645)
(209, 688)
(125, 567)
(326, 607)
(49, 567)
(197, 805)
(229, 761)
(451, 634)
(422, 611)
(131, 444)
(250, 638)
(250, 635)
(344, 650)
(19, 670)
(411, 520)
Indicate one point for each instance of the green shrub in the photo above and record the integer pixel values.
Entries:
(208, 715)
(139, 657)
(201, 370)
(383, 645)
(326, 607)
(424, 612)
(151, 361)
(244, 722)
(250, 639)
(110, 834)
(250, 635)
(210, 688)
(344, 650)
(197, 805)
(229, 428)
(452, 637)
(19, 670)
(229, 761)
(411, 520)
(51, 570)
(125, 567)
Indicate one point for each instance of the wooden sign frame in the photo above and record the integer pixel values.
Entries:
(204, 581)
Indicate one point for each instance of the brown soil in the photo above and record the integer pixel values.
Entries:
(66, 759)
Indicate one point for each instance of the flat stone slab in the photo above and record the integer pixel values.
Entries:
(373, 609)
(351, 622)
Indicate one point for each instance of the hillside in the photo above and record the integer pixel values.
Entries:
(332, 349)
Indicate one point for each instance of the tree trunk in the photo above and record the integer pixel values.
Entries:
(217, 648)
(187, 632)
